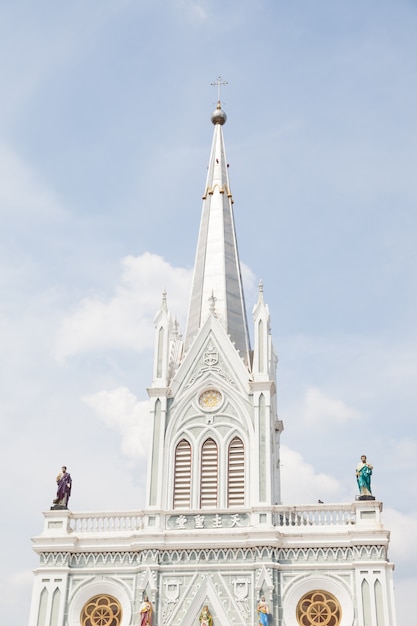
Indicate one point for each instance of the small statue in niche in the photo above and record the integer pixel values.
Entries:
(205, 617)
(263, 611)
(146, 612)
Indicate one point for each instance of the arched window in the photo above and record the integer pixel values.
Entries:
(366, 603)
(236, 473)
(209, 474)
(261, 346)
(319, 608)
(160, 352)
(379, 604)
(43, 603)
(182, 475)
(56, 600)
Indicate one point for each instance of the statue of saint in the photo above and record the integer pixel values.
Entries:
(146, 612)
(263, 611)
(205, 617)
(363, 476)
(64, 484)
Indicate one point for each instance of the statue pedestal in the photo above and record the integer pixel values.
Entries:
(59, 507)
(365, 497)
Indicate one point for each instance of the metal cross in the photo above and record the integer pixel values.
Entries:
(219, 82)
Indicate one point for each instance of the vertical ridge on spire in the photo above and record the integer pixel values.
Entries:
(217, 266)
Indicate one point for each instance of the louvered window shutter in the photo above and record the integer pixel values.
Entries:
(209, 474)
(236, 473)
(182, 475)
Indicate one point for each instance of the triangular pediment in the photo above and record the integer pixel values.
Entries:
(147, 584)
(212, 355)
(264, 581)
(207, 593)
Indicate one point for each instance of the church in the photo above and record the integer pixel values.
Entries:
(215, 545)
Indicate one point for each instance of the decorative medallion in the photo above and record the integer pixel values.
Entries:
(209, 400)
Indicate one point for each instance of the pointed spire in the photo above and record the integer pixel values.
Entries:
(263, 355)
(217, 267)
(260, 291)
(164, 306)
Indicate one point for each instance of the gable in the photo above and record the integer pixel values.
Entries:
(211, 352)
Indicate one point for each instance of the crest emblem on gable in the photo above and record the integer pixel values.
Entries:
(211, 356)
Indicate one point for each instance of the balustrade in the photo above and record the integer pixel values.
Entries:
(284, 518)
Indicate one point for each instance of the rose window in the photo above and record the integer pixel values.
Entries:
(101, 610)
(319, 608)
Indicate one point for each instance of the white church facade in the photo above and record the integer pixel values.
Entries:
(214, 531)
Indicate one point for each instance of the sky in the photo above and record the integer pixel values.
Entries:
(105, 137)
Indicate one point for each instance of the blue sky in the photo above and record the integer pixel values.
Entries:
(104, 141)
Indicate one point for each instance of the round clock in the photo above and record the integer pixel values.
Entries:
(210, 399)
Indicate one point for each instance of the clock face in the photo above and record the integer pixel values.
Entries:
(210, 399)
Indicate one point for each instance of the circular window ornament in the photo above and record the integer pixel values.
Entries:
(210, 400)
(319, 608)
(102, 610)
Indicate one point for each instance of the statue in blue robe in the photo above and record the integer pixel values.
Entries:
(363, 476)
(263, 612)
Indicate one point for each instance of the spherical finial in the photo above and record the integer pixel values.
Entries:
(219, 116)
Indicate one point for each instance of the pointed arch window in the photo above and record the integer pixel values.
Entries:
(366, 603)
(261, 346)
(182, 475)
(56, 600)
(43, 603)
(236, 473)
(379, 603)
(209, 474)
(160, 352)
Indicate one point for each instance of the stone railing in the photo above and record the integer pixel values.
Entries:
(315, 515)
(284, 518)
(107, 521)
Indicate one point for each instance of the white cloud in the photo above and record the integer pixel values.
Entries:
(123, 320)
(403, 546)
(120, 410)
(301, 484)
(321, 410)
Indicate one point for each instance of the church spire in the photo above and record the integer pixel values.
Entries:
(217, 267)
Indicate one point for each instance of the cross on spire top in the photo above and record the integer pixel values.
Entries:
(218, 83)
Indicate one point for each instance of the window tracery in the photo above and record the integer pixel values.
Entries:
(102, 610)
(319, 608)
